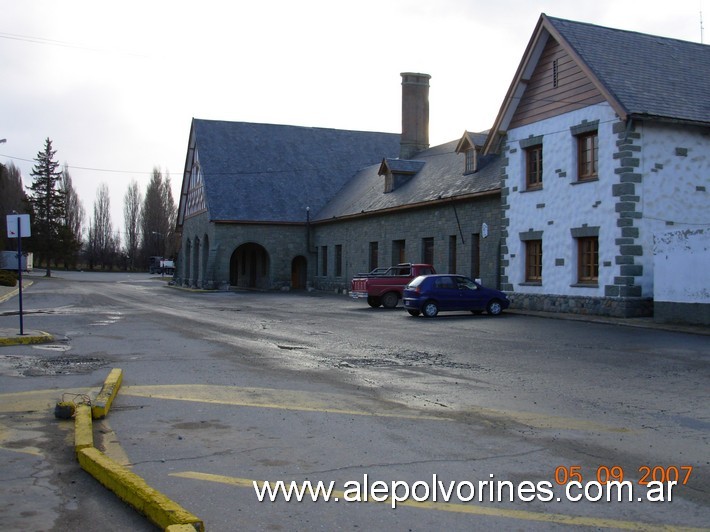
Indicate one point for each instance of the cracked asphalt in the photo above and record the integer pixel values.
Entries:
(221, 389)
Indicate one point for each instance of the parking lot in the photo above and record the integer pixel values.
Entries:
(222, 389)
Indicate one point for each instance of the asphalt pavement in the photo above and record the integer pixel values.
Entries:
(13, 336)
(20, 336)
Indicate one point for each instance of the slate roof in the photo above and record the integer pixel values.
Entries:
(441, 177)
(648, 75)
(271, 173)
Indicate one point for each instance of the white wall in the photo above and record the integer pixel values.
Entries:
(566, 203)
(682, 266)
(674, 193)
(676, 188)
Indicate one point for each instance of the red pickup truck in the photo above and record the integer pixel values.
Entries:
(384, 286)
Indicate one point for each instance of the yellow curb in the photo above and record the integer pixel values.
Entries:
(15, 291)
(83, 429)
(132, 489)
(36, 337)
(181, 528)
(103, 401)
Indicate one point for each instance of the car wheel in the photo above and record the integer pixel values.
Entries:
(390, 299)
(430, 309)
(494, 307)
(414, 312)
(373, 301)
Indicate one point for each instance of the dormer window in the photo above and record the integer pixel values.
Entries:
(469, 145)
(397, 172)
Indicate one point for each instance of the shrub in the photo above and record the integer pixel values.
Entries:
(8, 278)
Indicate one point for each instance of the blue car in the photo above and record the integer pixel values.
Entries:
(430, 294)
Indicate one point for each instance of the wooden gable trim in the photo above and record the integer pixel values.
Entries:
(465, 143)
(544, 30)
(544, 99)
(608, 96)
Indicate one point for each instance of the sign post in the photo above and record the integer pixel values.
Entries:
(21, 223)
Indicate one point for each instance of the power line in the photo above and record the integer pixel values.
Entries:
(53, 42)
(72, 167)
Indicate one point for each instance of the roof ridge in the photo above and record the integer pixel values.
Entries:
(620, 30)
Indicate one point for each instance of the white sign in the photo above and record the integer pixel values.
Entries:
(24, 225)
(484, 230)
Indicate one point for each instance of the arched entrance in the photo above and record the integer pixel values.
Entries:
(299, 273)
(249, 267)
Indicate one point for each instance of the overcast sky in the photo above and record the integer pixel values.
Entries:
(115, 85)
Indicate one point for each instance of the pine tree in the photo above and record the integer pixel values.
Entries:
(49, 205)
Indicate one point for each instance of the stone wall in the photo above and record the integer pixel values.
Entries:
(618, 307)
(466, 222)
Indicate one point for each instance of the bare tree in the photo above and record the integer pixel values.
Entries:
(74, 220)
(12, 199)
(131, 222)
(103, 244)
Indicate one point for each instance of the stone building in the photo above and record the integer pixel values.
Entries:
(602, 144)
(284, 207)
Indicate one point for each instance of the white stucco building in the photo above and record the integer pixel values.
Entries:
(601, 153)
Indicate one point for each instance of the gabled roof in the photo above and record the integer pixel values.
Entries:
(440, 178)
(399, 166)
(471, 140)
(641, 76)
(271, 173)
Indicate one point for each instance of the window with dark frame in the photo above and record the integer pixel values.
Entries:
(338, 260)
(324, 260)
(533, 167)
(452, 254)
(533, 261)
(398, 251)
(374, 255)
(588, 260)
(476, 255)
(587, 156)
(470, 161)
(428, 250)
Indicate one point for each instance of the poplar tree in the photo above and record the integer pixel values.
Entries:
(74, 221)
(131, 222)
(49, 205)
(158, 218)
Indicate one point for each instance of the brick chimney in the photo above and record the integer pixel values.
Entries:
(415, 114)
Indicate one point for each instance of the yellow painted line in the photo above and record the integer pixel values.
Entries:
(36, 400)
(522, 515)
(110, 445)
(272, 398)
(542, 421)
(300, 401)
(11, 438)
(347, 405)
(32, 451)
